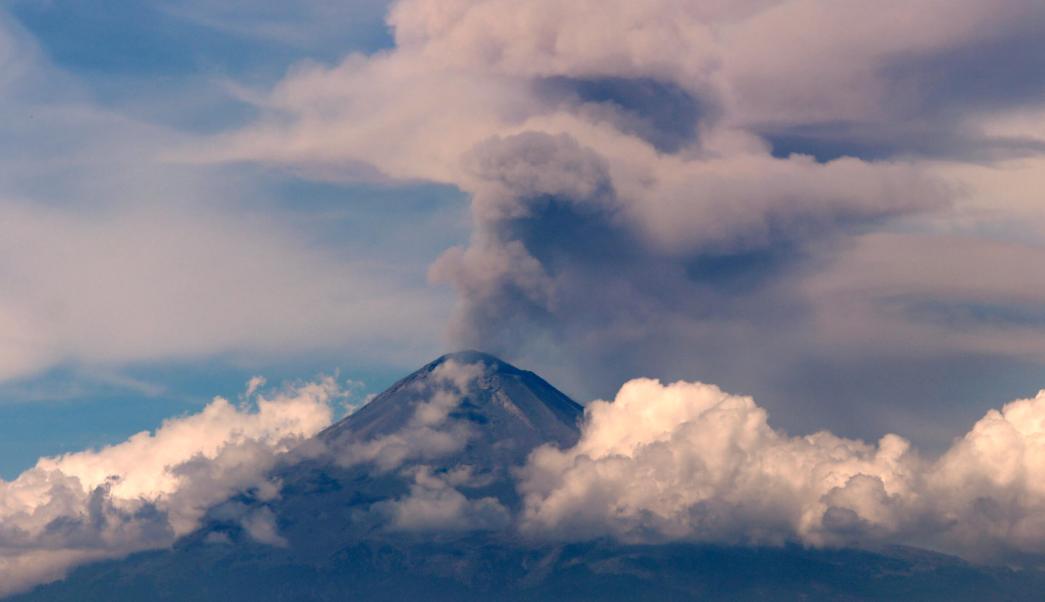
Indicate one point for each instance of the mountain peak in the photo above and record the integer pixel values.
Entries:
(499, 411)
(472, 356)
(485, 363)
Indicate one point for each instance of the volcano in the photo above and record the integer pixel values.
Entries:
(412, 497)
(507, 412)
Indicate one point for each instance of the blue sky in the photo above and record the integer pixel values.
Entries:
(171, 65)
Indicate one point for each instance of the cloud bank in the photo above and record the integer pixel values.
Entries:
(687, 461)
(153, 488)
(679, 462)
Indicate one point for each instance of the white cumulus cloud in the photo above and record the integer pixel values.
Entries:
(687, 461)
(434, 504)
(152, 488)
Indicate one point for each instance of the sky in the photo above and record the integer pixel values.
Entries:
(138, 287)
(849, 229)
(847, 226)
(835, 208)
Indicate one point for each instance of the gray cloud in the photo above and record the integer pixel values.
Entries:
(661, 192)
(636, 203)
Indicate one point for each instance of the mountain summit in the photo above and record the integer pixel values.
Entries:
(502, 412)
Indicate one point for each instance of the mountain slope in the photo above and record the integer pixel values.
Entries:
(510, 411)
(412, 497)
(445, 439)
